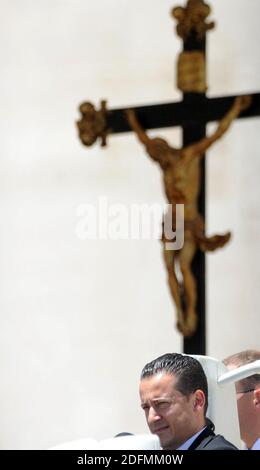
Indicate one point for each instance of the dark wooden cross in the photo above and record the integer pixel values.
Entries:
(191, 114)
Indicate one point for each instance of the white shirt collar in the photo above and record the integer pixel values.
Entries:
(187, 444)
(256, 445)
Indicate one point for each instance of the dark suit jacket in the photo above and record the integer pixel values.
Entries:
(208, 440)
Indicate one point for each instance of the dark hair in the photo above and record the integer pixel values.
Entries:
(242, 358)
(187, 369)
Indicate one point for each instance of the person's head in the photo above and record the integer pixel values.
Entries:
(123, 434)
(174, 396)
(248, 396)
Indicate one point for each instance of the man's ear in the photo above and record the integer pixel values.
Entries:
(199, 400)
(257, 397)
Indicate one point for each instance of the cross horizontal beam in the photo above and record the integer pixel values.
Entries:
(182, 113)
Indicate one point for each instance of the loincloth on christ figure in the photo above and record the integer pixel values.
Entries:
(194, 231)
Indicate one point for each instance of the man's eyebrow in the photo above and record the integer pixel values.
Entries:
(156, 400)
(143, 403)
(159, 399)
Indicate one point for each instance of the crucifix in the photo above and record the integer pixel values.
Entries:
(183, 169)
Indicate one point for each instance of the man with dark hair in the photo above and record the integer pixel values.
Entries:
(174, 396)
(248, 398)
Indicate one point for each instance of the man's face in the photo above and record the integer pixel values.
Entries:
(246, 409)
(248, 412)
(169, 414)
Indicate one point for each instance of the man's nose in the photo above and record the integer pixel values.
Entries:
(153, 415)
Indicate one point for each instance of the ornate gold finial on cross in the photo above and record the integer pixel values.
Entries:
(192, 17)
(93, 124)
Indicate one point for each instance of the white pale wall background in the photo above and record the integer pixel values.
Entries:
(80, 318)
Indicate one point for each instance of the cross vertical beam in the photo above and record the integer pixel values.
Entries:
(192, 132)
